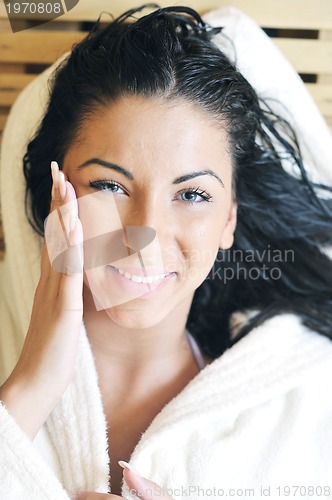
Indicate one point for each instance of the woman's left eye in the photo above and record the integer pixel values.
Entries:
(111, 186)
(194, 196)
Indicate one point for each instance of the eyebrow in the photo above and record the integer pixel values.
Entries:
(129, 175)
(103, 163)
(187, 177)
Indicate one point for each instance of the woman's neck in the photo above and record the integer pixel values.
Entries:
(158, 351)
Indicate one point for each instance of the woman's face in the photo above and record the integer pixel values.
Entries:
(153, 181)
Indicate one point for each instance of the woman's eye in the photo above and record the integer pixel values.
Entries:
(110, 186)
(194, 196)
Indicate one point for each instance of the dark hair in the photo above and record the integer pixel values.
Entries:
(171, 53)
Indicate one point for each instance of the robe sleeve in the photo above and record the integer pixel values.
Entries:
(23, 472)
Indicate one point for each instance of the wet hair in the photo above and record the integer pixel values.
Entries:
(276, 264)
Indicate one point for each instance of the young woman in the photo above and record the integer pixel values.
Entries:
(170, 216)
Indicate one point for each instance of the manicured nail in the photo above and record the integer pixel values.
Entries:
(55, 171)
(55, 177)
(125, 465)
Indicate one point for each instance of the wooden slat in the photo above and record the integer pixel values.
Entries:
(19, 24)
(322, 95)
(7, 97)
(4, 25)
(11, 85)
(307, 56)
(2, 242)
(307, 14)
(11, 68)
(3, 119)
(325, 79)
(325, 35)
(11, 81)
(329, 122)
(38, 47)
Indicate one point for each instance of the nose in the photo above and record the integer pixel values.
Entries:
(147, 211)
(136, 238)
(148, 229)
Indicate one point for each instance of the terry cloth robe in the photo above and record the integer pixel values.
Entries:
(258, 418)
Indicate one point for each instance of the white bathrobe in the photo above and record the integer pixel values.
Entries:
(256, 421)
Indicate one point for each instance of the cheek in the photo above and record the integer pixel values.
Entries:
(200, 243)
(205, 231)
(98, 214)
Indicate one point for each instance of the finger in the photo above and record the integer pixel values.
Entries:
(58, 186)
(63, 240)
(62, 253)
(59, 226)
(143, 488)
(54, 239)
(90, 495)
(71, 284)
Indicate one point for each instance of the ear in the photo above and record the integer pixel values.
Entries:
(227, 237)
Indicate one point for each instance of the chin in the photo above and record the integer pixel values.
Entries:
(129, 316)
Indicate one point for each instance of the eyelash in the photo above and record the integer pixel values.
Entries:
(105, 185)
(200, 192)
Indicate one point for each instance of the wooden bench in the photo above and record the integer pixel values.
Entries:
(302, 29)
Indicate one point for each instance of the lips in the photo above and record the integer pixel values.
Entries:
(136, 276)
(120, 288)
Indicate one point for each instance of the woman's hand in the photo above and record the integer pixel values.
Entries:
(89, 495)
(141, 487)
(47, 362)
(138, 486)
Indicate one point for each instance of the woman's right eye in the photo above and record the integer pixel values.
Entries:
(106, 185)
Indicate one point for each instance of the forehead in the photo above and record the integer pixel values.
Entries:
(152, 131)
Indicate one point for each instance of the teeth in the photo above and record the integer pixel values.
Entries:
(141, 279)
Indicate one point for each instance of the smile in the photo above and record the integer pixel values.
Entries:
(140, 279)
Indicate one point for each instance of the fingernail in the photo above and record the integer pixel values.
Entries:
(55, 172)
(125, 465)
(55, 177)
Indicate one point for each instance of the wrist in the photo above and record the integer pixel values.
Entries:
(26, 403)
